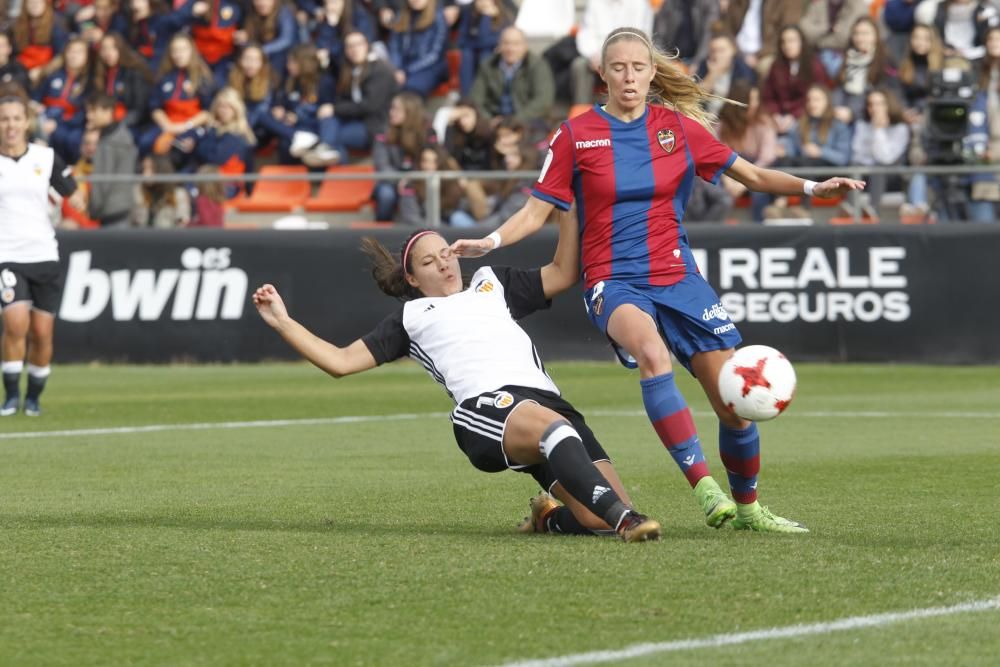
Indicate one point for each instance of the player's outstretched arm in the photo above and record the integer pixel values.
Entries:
(524, 223)
(337, 361)
(777, 182)
(564, 270)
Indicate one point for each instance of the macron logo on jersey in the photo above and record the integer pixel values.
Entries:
(593, 143)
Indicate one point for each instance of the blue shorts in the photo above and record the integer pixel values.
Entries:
(688, 314)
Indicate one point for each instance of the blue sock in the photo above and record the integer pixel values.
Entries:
(740, 451)
(672, 420)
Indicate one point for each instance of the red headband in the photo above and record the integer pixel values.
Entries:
(409, 245)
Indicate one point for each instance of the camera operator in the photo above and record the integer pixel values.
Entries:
(957, 132)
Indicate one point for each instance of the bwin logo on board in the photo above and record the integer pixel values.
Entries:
(206, 287)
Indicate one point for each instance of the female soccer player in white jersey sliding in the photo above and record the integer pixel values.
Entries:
(630, 166)
(30, 280)
(508, 412)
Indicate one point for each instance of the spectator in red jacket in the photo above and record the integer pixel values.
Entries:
(38, 37)
(794, 70)
(209, 203)
(213, 27)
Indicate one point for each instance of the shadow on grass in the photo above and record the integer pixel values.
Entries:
(245, 523)
(334, 526)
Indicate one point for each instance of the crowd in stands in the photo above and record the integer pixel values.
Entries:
(220, 86)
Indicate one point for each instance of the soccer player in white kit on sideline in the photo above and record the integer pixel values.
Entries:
(30, 278)
(508, 413)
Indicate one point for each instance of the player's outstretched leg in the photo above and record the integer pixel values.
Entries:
(562, 447)
(12, 392)
(548, 516)
(671, 418)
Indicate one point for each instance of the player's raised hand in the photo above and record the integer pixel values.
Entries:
(838, 186)
(472, 247)
(270, 305)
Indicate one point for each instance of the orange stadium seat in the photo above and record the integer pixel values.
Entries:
(339, 195)
(275, 196)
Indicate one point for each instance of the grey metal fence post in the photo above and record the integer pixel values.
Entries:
(433, 199)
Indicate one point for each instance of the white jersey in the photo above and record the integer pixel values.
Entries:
(469, 342)
(26, 232)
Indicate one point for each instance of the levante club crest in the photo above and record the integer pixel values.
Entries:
(667, 140)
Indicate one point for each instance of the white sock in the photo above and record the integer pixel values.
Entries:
(12, 366)
(39, 371)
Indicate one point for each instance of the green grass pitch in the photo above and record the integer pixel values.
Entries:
(374, 542)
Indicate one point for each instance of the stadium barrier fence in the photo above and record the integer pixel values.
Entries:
(433, 179)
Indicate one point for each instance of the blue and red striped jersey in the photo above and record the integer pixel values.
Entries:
(631, 182)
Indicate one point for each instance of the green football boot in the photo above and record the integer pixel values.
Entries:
(716, 505)
(758, 518)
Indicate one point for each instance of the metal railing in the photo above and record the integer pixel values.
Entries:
(433, 179)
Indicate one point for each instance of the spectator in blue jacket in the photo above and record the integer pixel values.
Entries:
(417, 46)
(479, 28)
(11, 71)
(149, 27)
(124, 75)
(270, 23)
(226, 141)
(97, 20)
(293, 118)
(61, 97)
(819, 140)
(180, 98)
(722, 68)
(255, 81)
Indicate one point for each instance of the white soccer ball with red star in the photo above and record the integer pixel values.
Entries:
(757, 382)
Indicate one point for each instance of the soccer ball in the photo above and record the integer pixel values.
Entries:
(757, 382)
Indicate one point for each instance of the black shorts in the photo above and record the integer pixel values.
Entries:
(38, 283)
(479, 424)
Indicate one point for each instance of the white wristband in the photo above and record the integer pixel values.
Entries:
(493, 236)
(809, 186)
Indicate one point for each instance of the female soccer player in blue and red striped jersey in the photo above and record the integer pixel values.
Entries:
(630, 165)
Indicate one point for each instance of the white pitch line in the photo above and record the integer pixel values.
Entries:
(207, 426)
(361, 419)
(787, 632)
